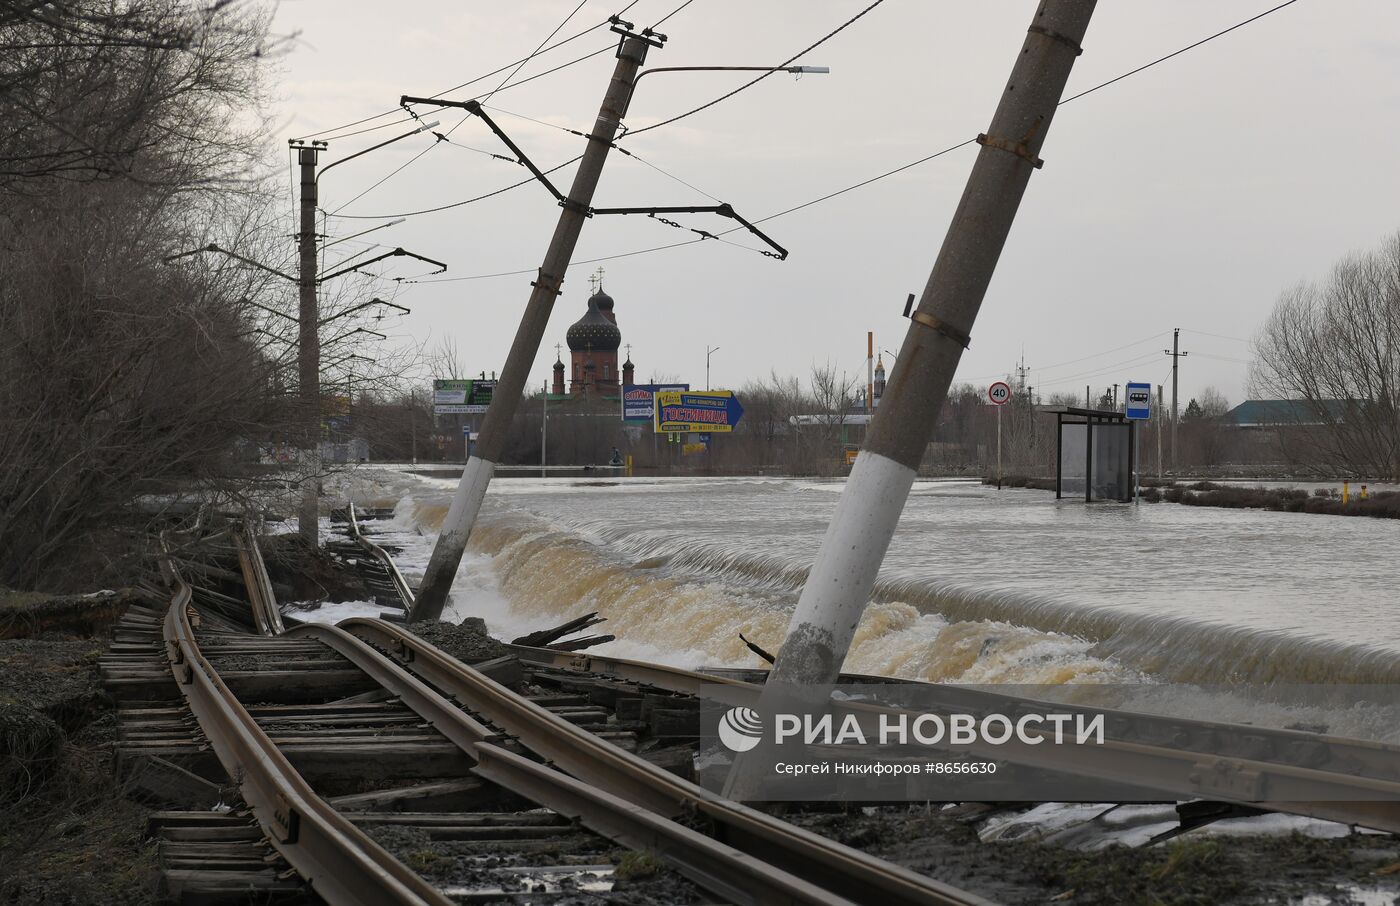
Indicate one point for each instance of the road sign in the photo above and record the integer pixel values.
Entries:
(716, 411)
(637, 402)
(1139, 401)
(999, 393)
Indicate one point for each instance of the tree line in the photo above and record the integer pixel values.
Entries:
(134, 131)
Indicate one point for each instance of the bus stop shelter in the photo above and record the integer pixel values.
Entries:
(1093, 454)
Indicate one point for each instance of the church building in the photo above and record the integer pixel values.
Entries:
(594, 340)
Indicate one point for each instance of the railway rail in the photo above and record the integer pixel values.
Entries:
(1250, 768)
(343, 748)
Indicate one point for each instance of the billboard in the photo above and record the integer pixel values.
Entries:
(707, 410)
(462, 397)
(637, 405)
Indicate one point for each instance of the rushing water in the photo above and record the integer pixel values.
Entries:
(979, 585)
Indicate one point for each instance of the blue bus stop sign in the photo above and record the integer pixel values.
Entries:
(1139, 401)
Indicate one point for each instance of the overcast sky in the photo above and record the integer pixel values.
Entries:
(1186, 196)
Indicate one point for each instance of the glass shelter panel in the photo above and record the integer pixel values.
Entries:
(1112, 464)
(1073, 448)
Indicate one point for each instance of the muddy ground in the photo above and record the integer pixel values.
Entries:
(68, 832)
(1193, 870)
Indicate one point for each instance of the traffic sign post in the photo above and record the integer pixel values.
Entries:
(1000, 394)
(1138, 408)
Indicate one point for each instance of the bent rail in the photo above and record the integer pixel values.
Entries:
(401, 585)
(840, 870)
(1331, 794)
(266, 614)
(339, 860)
(713, 864)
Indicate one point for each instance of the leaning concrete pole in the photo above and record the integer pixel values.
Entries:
(843, 576)
(495, 430)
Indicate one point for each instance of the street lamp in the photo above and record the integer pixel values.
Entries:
(708, 352)
(354, 308)
(350, 333)
(796, 70)
(422, 128)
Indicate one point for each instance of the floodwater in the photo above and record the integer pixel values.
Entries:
(980, 585)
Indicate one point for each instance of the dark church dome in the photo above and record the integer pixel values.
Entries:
(605, 304)
(594, 330)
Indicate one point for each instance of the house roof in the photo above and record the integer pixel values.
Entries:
(1258, 413)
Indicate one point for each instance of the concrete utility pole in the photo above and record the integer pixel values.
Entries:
(1160, 419)
(1176, 354)
(309, 350)
(869, 372)
(843, 576)
(495, 430)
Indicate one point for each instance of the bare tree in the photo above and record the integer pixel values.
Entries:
(1204, 434)
(1334, 350)
(131, 127)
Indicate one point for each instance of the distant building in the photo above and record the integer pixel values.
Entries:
(593, 342)
(1284, 413)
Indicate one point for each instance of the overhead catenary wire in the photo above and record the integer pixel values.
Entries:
(534, 53)
(854, 186)
(624, 151)
(465, 201)
(481, 78)
(539, 75)
(662, 21)
(444, 137)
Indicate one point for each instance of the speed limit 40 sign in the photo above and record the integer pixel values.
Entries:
(999, 393)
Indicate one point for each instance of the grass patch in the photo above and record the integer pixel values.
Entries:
(635, 865)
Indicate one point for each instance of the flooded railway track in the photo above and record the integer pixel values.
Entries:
(1216, 770)
(363, 764)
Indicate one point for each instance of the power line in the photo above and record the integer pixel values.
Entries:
(854, 186)
(1096, 355)
(436, 142)
(536, 51)
(1133, 72)
(473, 81)
(840, 28)
(662, 21)
(1072, 379)
(1221, 358)
(444, 137)
(539, 75)
(1218, 336)
(632, 154)
(466, 201)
